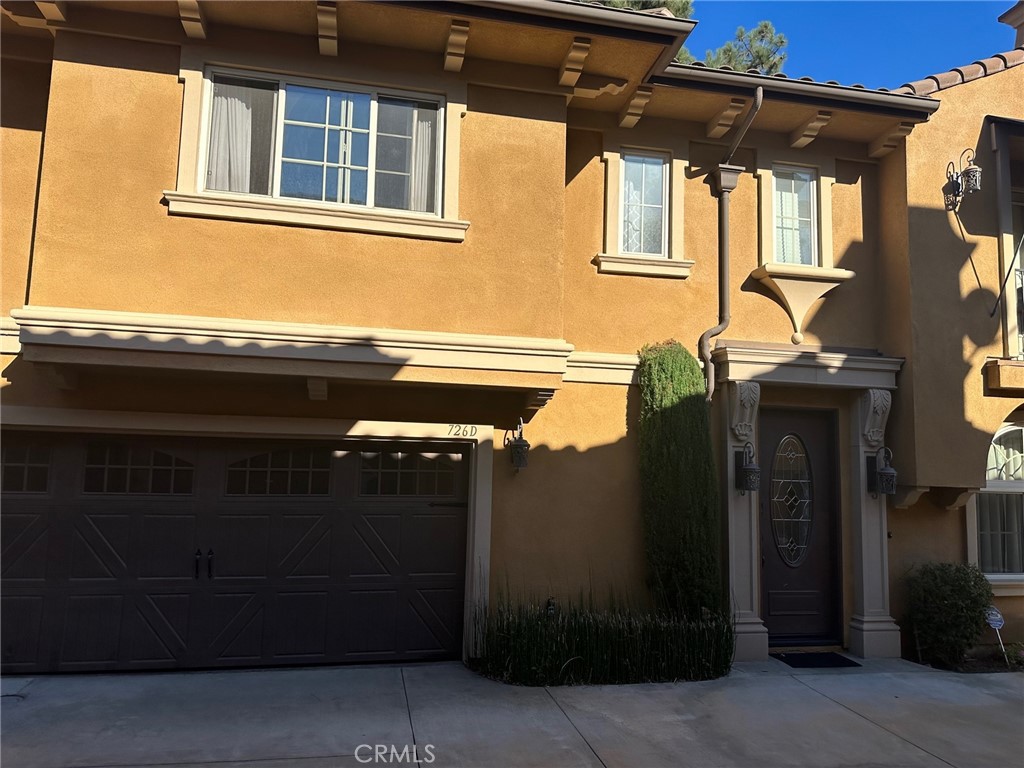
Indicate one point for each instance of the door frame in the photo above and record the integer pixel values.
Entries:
(479, 437)
(834, 497)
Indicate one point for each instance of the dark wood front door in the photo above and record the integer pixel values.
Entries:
(800, 595)
(154, 553)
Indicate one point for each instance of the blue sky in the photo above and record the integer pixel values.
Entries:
(881, 44)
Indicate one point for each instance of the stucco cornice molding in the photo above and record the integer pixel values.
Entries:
(10, 344)
(601, 368)
(743, 361)
(294, 213)
(56, 328)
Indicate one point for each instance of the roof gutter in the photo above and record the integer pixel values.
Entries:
(785, 89)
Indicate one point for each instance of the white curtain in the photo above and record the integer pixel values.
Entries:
(1001, 532)
(423, 157)
(230, 138)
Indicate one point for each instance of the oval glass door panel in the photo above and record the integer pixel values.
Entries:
(792, 500)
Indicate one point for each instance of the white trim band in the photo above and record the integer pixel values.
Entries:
(802, 367)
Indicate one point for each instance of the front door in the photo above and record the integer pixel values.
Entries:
(800, 596)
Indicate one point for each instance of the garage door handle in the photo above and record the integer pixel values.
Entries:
(458, 504)
(209, 564)
(199, 556)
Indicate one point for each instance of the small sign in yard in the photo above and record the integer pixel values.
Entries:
(994, 617)
(995, 620)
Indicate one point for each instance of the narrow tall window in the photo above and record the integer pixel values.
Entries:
(333, 145)
(644, 194)
(1001, 505)
(796, 226)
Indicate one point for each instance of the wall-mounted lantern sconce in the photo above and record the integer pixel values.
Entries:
(518, 446)
(881, 475)
(748, 474)
(962, 182)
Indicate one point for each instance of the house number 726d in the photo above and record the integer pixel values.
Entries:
(461, 430)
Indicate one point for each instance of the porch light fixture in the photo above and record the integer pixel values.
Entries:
(748, 474)
(962, 182)
(881, 475)
(518, 446)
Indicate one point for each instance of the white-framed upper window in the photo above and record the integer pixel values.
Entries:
(795, 202)
(644, 194)
(1000, 505)
(300, 139)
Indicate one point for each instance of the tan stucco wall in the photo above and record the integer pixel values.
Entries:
(569, 524)
(620, 313)
(23, 96)
(108, 160)
(954, 283)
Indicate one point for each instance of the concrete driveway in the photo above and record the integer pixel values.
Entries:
(889, 713)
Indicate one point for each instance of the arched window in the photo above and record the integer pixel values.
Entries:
(1001, 505)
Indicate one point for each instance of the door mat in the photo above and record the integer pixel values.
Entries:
(818, 660)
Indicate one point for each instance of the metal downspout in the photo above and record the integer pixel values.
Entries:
(725, 178)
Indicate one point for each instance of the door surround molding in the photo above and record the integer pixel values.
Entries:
(478, 519)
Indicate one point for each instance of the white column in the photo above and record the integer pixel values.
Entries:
(873, 633)
(740, 415)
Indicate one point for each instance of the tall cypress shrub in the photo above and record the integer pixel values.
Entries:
(679, 482)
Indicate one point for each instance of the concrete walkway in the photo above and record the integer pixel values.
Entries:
(890, 713)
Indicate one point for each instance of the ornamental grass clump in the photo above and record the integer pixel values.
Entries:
(532, 643)
(947, 606)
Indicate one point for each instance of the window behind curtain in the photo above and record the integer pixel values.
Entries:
(1001, 506)
(643, 204)
(336, 146)
(241, 135)
(795, 225)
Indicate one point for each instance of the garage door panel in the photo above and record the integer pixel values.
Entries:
(100, 547)
(167, 547)
(235, 625)
(304, 547)
(430, 624)
(158, 630)
(375, 545)
(241, 547)
(370, 618)
(22, 619)
(26, 552)
(92, 631)
(308, 553)
(300, 625)
(435, 543)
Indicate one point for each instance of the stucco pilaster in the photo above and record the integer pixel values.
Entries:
(873, 633)
(740, 416)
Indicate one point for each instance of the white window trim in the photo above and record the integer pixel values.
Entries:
(815, 222)
(1003, 584)
(190, 198)
(666, 171)
(612, 260)
(824, 169)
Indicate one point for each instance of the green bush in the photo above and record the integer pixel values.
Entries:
(535, 644)
(947, 605)
(679, 483)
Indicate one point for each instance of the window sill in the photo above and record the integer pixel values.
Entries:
(1006, 584)
(799, 287)
(297, 213)
(642, 266)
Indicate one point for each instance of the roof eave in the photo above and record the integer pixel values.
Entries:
(802, 91)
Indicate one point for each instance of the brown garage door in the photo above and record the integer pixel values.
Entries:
(136, 553)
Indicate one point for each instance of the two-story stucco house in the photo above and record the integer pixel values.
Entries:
(281, 280)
